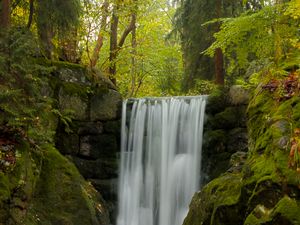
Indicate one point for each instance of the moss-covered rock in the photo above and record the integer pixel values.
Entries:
(217, 201)
(230, 118)
(266, 190)
(106, 106)
(225, 133)
(63, 197)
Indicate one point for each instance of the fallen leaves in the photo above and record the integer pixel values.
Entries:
(284, 89)
(294, 156)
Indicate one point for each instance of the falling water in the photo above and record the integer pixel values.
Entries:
(160, 159)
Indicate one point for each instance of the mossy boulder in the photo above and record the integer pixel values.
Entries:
(266, 188)
(45, 188)
(217, 200)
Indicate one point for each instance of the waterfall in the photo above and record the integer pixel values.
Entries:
(160, 159)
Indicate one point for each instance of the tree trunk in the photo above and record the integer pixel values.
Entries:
(99, 42)
(219, 62)
(31, 11)
(113, 48)
(5, 14)
(219, 67)
(46, 36)
(133, 55)
(45, 29)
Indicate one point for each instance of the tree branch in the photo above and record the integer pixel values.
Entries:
(31, 11)
(99, 42)
(127, 31)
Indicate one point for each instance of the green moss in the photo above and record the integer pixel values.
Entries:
(262, 167)
(286, 210)
(76, 89)
(225, 189)
(26, 171)
(64, 64)
(59, 64)
(18, 185)
(5, 191)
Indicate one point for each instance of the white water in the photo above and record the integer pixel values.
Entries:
(160, 160)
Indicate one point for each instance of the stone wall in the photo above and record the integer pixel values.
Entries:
(88, 131)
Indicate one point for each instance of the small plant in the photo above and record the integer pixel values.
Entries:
(65, 118)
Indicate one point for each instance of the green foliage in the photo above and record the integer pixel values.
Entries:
(21, 81)
(269, 34)
(158, 60)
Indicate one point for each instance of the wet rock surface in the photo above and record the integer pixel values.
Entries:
(225, 132)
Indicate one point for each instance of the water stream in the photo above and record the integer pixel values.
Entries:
(160, 159)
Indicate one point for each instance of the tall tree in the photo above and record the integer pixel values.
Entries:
(5, 14)
(196, 37)
(133, 58)
(31, 12)
(116, 45)
(219, 61)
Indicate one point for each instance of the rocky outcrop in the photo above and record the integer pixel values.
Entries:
(61, 177)
(266, 189)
